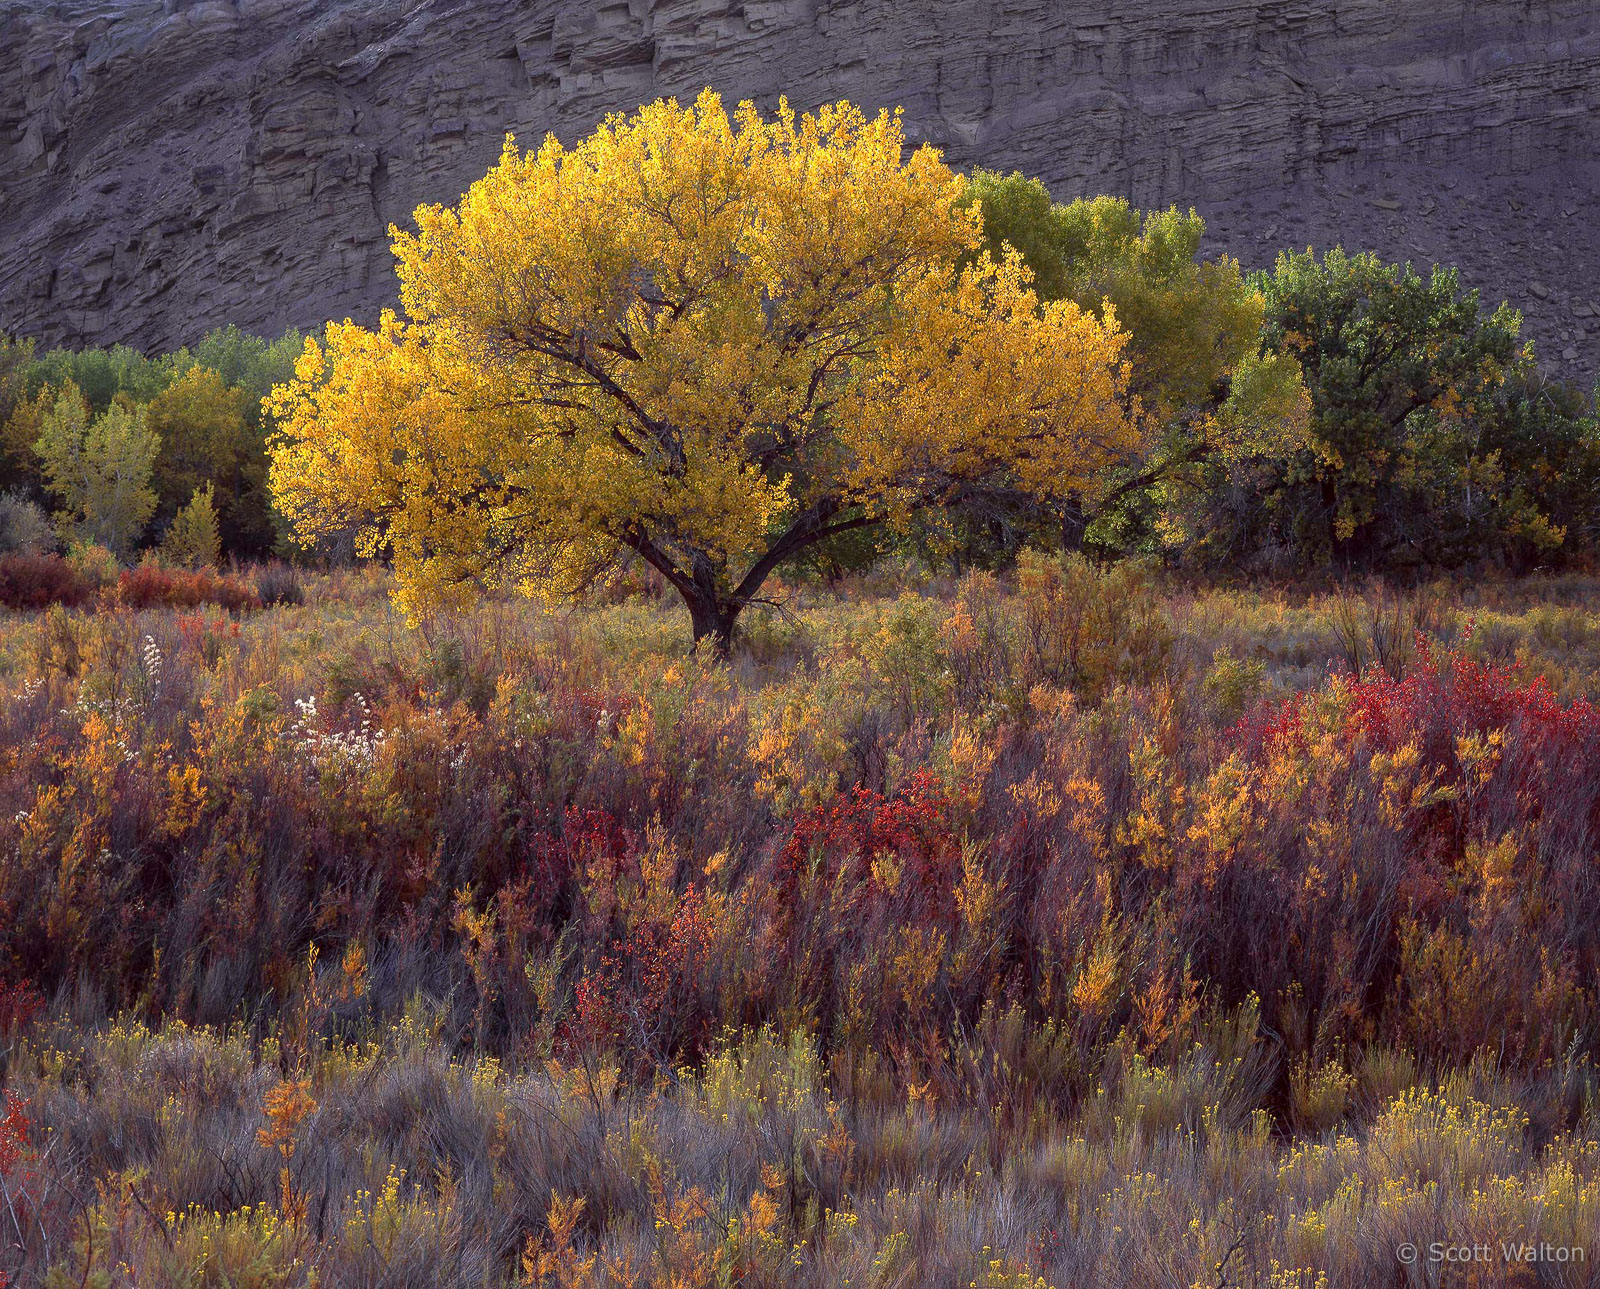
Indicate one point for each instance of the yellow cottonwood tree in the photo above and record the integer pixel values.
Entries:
(701, 339)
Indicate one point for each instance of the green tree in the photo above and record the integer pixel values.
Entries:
(1408, 381)
(99, 469)
(102, 374)
(1200, 384)
(205, 440)
(206, 404)
(252, 365)
(249, 363)
(1544, 441)
(18, 466)
(192, 539)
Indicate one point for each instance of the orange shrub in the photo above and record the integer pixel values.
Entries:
(152, 586)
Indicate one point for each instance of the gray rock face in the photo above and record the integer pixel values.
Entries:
(170, 165)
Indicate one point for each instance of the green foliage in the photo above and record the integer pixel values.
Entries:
(853, 551)
(905, 657)
(192, 540)
(1200, 378)
(247, 363)
(1191, 321)
(99, 469)
(101, 374)
(206, 442)
(218, 429)
(1545, 445)
(1431, 436)
(17, 465)
(1335, 413)
(95, 565)
(204, 404)
(1233, 683)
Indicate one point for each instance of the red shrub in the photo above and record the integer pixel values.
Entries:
(151, 586)
(643, 999)
(864, 881)
(38, 581)
(195, 630)
(860, 826)
(19, 1004)
(1270, 726)
(537, 886)
(1447, 694)
(14, 1133)
(205, 636)
(592, 832)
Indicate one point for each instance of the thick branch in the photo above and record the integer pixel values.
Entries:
(810, 528)
(553, 346)
(635, 540)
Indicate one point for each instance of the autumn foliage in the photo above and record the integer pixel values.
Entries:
(38, 581)
(1045, 921)
(980, 865)
(700, 340)
(151, 585)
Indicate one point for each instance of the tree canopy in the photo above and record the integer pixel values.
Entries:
(700, 339)
(99, 467)
(205, 442)
(1201, 383)
(1432, 438)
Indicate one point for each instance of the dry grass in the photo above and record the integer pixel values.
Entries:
(1071, 930)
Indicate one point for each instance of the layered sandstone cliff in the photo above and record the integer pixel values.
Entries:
(169, 165)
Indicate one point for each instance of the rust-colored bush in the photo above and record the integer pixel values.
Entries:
(39, 581)
(153, 586)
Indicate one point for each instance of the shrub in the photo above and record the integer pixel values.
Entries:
(278, 583)
(151, 586)
(1089, 982)
(14, 1134)
(1087, 628)
(193, 541)
(905, 656)
(1444, 697)
(1232, 682)
(642, 999)
(1448, 694)
(24, 527)
(19, 1004)
(96, 565)
(39, 581)
(859, 910)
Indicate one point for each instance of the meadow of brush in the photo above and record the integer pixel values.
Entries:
(1065, 928)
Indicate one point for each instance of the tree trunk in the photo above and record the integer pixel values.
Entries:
(1073, 523)
(1330, 507)
(713, 622)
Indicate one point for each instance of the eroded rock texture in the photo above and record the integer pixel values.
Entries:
(169, 165)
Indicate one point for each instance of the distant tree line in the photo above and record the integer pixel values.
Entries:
(1429, 437)
(111, 448)
(1334, 413)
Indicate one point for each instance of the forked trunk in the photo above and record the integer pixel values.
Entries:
(713, 624)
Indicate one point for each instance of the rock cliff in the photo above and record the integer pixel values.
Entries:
(170, 165)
